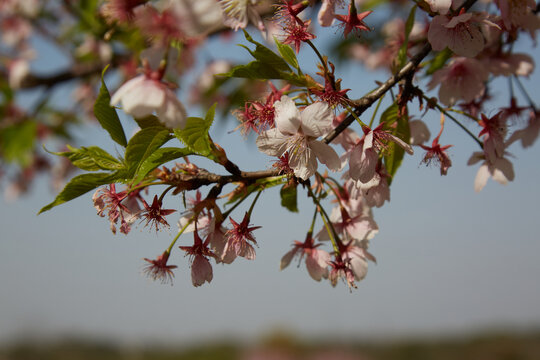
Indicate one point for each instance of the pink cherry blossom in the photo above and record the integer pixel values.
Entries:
(364, 156)
(530, 133)
(112, 202)
(376, 191)
(201, 269)
(519, 14)
(316, 260)
(461, 34)
(353, 22)
(296, 133)
(502, 64)
(437, 153)
(419, 132)
(159, 270)
(341, 269)
(237, 240)
(493, 132)
(357, 257)
(462, 79)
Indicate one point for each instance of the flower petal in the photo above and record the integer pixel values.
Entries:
(316, 119)
(287, 116)
(326, 154)
(272, 142)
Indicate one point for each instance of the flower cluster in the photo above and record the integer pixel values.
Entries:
(447, 58)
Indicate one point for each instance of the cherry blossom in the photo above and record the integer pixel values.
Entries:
(201, 269)
(462, 79)
(500, 170)
(238, 240)
(316, 260)
(353, 22)
(146, 94)
(461, 34)
(364, 156)
(296, 133)
(159, 270)
(237, 13)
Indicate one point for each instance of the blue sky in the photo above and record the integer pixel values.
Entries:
(450, 261)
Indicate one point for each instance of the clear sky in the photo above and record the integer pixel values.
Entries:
(450, 261)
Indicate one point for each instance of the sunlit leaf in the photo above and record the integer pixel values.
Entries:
(107, 116)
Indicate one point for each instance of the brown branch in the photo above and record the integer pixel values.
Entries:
(74, 72)
(365, 102)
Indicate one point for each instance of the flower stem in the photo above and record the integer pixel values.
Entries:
(441, 109)
(326, 220)
(178, 235)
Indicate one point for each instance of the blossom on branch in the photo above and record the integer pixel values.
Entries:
(147, 94)
(159, 270)
(316, 260)
(296, 133)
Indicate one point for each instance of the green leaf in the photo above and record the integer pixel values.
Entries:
(157, 158)
(287, 53)
(195, 134)
(17, 142)
(107, 116)
(254, 70)
(266, 56)
(402, 54)
(143, 144)
(439, 61)
(288, 195)
(257, 185)
(149, 121)
(397, 126)
(91, 158)
(267, 64)
(80, 185)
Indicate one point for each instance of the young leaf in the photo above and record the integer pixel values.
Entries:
(254, 70)
(287, 53)
(107, 116)
(266, 56)
(195, 133)
(438, 61)
(143, 144)
(267, 64)
(402, 54)
(149, 121)
(80, 185)
(158, 157)
(397, 126)
(257, 185)
(91, 158)
(17, 142)
(288, 195)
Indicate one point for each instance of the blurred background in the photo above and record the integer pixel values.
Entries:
(457, 274)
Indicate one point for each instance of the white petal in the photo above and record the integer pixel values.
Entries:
(125, 89)
(172, 113)
(482, 177)
(316, 119)
(326, 154)
(272, 142)
(287, 116)
(304, 163)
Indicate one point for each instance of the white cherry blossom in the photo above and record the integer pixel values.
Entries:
(144, 95)
(296, 133)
